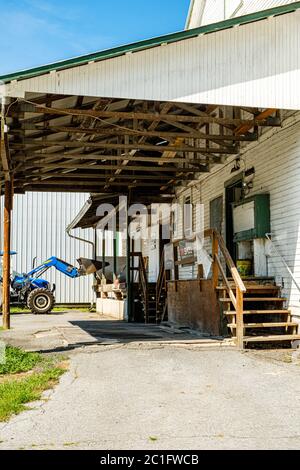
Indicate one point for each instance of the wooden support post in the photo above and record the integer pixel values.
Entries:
(215, 252)
(115, 249)
(129, 272)
(239, 319)
(103, 251)
(176, 267)
(8, 194)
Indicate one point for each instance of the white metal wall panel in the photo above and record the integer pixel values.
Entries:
(277, 171)
(39, 229)
(211, 11)
(251, 6)
(257, 65)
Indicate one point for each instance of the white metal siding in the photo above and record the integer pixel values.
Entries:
(212, 11)
(251, 6)
(39, 229)
(276, 159)
(257, 64)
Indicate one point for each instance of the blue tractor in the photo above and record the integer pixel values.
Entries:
(29, 289)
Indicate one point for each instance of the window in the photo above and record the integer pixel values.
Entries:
(216, 213)
(188, 217)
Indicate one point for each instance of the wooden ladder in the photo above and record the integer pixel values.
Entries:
(146, 289)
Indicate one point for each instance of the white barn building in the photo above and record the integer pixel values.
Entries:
(235, 70)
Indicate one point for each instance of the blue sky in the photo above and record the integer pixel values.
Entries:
(35, 32)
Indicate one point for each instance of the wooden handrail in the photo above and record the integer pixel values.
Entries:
(229, 261)
(238, 299)
(161, 271)
(229, 290)
(211, 233)
(161, 282)
(143, 280)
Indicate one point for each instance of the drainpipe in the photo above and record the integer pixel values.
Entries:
(68, 230)
(93, 244)
(73, 224)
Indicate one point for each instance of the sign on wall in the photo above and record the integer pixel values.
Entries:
(169, 257)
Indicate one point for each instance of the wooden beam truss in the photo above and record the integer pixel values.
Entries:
(58, 141)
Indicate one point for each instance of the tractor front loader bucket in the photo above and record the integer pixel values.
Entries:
(89, 266)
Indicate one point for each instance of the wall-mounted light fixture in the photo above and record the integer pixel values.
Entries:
(248, 178)
(237, 165)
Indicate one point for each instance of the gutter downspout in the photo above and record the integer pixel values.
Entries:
(68, 230)
(84, 240)
(74, 223)
(93, 244)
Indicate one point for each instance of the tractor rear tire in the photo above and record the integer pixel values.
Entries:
(40, 301)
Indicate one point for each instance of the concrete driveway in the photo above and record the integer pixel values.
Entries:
(127, 390)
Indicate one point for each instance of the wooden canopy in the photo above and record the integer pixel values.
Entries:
(83, 144)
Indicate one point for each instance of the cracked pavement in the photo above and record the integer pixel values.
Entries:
(135, 392)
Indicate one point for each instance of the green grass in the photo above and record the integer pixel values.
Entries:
(23, 378)
(14, 394)
(19, 361)
(59, 308)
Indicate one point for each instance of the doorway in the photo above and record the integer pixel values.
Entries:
(233, 193)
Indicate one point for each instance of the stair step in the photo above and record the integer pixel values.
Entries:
(258, 299)
(260, 312)
(255, 278)
(265, 325)
(258, 339)
(253, 287)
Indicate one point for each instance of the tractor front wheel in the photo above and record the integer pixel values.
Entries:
(40, 301)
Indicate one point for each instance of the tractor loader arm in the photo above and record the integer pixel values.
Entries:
(86, 267)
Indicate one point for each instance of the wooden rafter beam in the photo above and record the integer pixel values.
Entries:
(151, 169)
(98, 176)
(132, 146)
(139, 196)
(193, 134)
(54, 182)
(150, 116)
(243, 128)
(44, 158)
(166, 107)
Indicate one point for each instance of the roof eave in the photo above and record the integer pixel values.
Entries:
(149, 43)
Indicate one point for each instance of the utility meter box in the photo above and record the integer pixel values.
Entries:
(251, 218)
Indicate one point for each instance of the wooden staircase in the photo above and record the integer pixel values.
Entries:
(265, 319)
(146, 291)
(254, 308)
(150, 315)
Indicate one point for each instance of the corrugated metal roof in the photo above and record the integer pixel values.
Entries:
(149, 43)
(87, 217)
